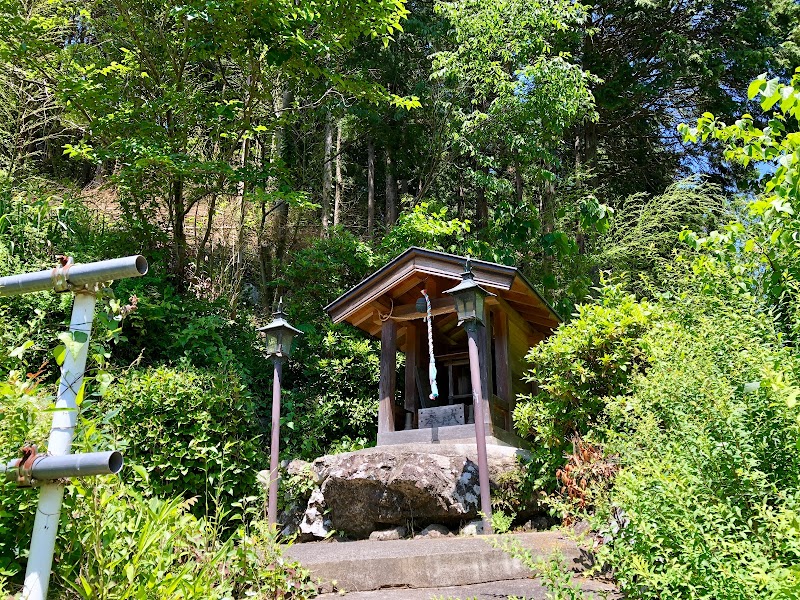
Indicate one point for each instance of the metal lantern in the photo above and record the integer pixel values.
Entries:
(469, 297)
(279, 334)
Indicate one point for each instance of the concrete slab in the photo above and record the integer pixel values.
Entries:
(424, 563)
(452, 434)
(531, 589)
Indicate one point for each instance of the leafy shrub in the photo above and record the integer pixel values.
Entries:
(691, 477)
(645, 228)
(121, 545)
(515, 490)
(553, 572)
(320, 273)
(332, 404)
(168, 326)
(195, 432)
(764, 245)
(22, 419)
(329, 402)
(501, 522)
(706, 502)
(427, 225)
(591, 358)
(586, 477)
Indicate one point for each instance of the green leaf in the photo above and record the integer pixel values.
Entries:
(81, 392)
(20, 350)
(755, 86)
(141, 472)
(60, 353)
(74, 341)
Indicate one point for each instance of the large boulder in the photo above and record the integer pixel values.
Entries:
(409, 484)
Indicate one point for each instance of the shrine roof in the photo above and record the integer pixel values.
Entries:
(403, 277)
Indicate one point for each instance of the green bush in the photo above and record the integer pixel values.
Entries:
(591, 358)
(694, 397)
(332, 402)
(323, 271)
(22, 419)
(195, 431)
(706, 504)
(427, 225)
(121, 545)
(169, 326)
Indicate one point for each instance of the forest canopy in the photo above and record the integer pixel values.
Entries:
(637, 161)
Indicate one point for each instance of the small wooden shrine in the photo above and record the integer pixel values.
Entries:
(389, 304)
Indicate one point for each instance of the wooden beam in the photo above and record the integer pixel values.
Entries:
(484, 275)
(371, 292)
(358, 319)
(512, 313)
(535, 319)
(412, 360)
(406, 286)
(529, 300)
(409, 312)
(388, 376)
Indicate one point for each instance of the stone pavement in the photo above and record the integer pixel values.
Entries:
(432, 564)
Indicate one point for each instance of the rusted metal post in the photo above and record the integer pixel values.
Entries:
(274, 451)
(480, 424)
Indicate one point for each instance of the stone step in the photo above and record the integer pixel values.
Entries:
(529, 589)
(424, 563)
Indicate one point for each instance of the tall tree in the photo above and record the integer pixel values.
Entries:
(661, 62)
(173, 92)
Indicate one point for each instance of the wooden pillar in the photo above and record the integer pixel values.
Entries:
(484, 333)
(503, 364)
(502, 356)
(388, 376)
(473, 346)
(412, 360)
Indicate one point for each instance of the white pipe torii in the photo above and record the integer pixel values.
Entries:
(84, 281)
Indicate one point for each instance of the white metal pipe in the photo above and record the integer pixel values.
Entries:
(45, 526)
(77, 275)
(46, 467)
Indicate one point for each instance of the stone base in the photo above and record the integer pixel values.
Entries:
(451, 434)
(409, 485)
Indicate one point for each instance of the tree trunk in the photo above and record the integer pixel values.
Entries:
(327, 175)
(337, 200)
(460, 200)
(241, 189)
(519, 184)
(283, 148)
(371, 190)
(481, 207)
(391, 190)
(178, 232)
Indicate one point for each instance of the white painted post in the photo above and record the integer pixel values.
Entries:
(45, 527)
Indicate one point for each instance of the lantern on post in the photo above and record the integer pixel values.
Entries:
(279, 337)
(279, 334)
(470, 299)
